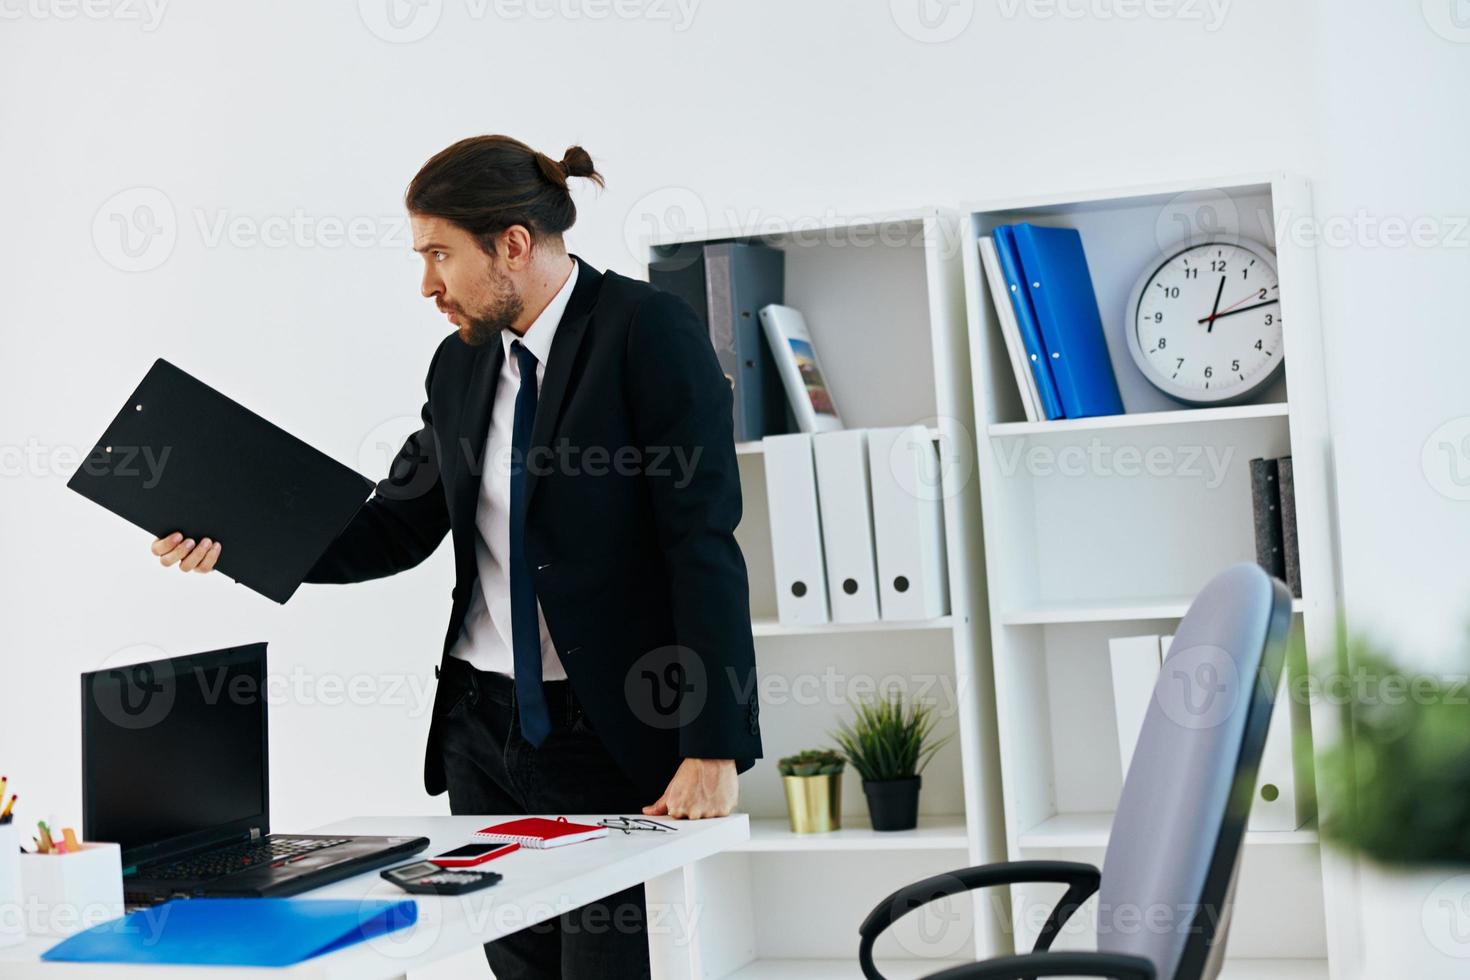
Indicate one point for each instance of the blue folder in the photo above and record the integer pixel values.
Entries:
(1055, 269)
(1031, 339)
(235, 931)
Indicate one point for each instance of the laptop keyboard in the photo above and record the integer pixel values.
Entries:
(216, 864)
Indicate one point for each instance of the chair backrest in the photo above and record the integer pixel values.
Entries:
(1177, 834)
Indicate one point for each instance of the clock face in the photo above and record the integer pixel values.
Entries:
(1205, 324)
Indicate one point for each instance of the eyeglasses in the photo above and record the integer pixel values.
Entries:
(629, 824)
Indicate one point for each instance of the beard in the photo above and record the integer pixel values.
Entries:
(500, 311)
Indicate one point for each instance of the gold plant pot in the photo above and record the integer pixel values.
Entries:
(814, 803)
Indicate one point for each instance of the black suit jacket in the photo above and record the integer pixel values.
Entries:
(632, 501)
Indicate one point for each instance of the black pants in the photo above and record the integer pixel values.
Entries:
(491, 769)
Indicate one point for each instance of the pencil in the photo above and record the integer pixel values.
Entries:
(6, 812)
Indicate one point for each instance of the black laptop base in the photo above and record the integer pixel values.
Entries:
(321, 861)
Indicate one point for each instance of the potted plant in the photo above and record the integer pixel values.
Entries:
(889, 744)
(1396, 793)
(813, 782)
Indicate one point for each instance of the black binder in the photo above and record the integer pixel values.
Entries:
(727, 283)
(180, 456)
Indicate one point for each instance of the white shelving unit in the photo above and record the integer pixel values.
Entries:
(1077, 555)
(884, 300)
(771, 627)
(934, 833)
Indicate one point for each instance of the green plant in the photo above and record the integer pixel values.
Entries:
(888, 740)
(811, 762)
(1396, 787)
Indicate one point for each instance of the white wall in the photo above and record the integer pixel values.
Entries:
(1393, 200)
(752, 111)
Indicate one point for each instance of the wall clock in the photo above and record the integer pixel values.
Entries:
(1204, 325)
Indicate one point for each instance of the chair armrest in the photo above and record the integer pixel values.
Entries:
(1081, 881)
(1026, 965)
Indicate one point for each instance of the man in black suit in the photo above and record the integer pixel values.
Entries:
(577, 445)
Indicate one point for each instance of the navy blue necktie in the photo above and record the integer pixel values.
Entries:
(525, 628)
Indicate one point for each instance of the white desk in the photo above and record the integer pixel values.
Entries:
(538, 885)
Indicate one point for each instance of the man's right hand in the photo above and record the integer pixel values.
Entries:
(175, 549)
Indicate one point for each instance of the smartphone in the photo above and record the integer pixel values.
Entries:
(473, 854)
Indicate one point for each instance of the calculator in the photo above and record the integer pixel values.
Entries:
(427, 878)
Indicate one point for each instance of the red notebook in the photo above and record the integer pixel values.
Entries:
(540, 832)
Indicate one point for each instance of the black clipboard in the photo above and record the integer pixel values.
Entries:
(180, 456)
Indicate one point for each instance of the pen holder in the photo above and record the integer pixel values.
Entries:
(12, 918)
(66, 893)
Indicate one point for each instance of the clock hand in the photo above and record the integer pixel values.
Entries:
(1244, 299)
(1221, 316)
(1211, 318)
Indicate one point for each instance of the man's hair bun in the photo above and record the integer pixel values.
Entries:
(577, 162)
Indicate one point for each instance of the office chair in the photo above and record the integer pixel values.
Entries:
(1176, 837)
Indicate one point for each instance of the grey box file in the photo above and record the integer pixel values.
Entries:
(727, 283)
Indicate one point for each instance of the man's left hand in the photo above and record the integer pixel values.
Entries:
(700, 788)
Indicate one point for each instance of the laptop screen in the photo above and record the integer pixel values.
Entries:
(174, 752)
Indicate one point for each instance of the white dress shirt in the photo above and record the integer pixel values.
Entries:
(485, 638)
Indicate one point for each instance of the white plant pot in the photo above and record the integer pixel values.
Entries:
(1416, 922)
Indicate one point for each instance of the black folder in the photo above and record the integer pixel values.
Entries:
(727, 283)
(180, 456)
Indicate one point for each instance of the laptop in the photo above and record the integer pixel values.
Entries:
(175, 770)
